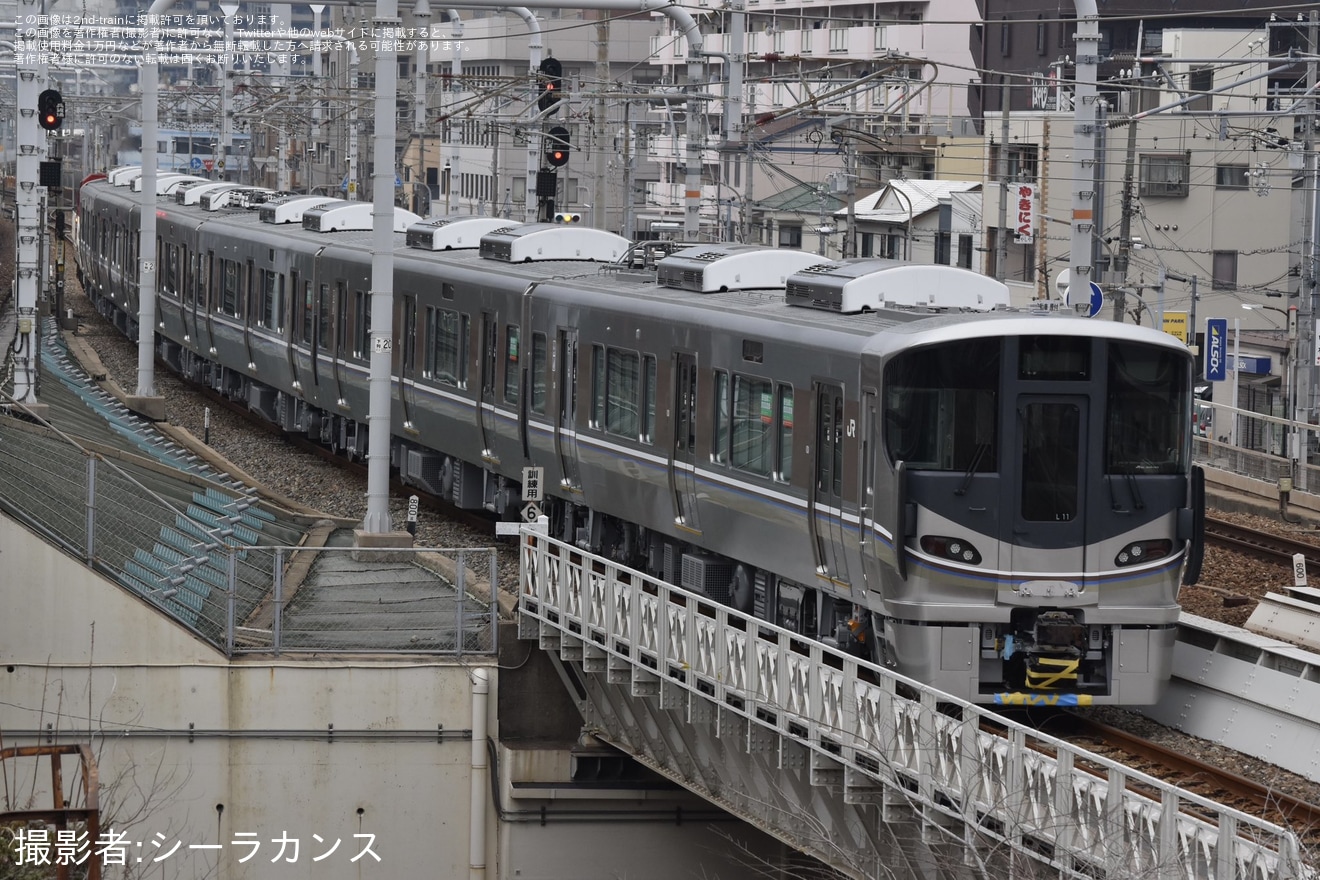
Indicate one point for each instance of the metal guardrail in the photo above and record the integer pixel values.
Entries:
(896, 741)
(1258, 445)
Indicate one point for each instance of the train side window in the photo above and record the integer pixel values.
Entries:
(286, 303)
(622, 392)
(597, 386)
(720, 435)
(648, 407)
(538, 373)
(446, 347)
(269, 306)
(784, 424)
(306, 309)
(279, 303)
(229, 288)
(489, 355)
(189, 276)
(251, 294)
(208, 300)
(337, 312)
(361, 323)
(753, 408)
(408, 334)
(511, 377)
(324, 312)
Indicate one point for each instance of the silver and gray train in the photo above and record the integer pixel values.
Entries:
(997, 502)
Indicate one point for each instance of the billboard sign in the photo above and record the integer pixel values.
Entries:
(1216, 349)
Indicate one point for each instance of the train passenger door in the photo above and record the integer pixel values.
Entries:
(566, 423)
(1051, 444)
(212, 290)
(407, 353)
(289, 321)
(683, 459)
(825, 511)
(317, 334)
(334, 323)
(866, 496)
(486, 390)
(249, 303)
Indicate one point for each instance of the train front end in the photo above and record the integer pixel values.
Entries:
(1041, 508)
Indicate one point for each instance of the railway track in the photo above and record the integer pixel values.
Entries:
(472, 519)
(1262, 545)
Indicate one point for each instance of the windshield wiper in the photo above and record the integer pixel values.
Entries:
(981, 450)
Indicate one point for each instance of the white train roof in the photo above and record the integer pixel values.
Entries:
(454, 233)
(123, 175)
(342, 216)
(535, 242)
(860, 285)
(711, 268)
(166, 183)
(192, 195)
(290, 209)
(237, 197)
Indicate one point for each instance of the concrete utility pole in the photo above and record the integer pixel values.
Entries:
(1084, 131)
(1001, 231)
(377, 519)
(31, 151)
(1308, 353)
(599, 210)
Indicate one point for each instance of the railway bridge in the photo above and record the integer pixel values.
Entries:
(873, 774)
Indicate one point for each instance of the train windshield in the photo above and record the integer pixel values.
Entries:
(942, 407)
(1148, 411)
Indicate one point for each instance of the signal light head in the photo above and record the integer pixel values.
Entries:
(568, 218)
(556, 146)
(50, 110)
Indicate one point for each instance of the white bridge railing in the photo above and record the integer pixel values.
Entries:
(899, 744)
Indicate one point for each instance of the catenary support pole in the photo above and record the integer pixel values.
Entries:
(377, 519)
(1084, 123)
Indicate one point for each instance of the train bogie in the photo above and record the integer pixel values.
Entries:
(996, 503)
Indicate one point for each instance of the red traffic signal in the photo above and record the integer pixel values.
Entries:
(50, 110)
(551, 84)
(556, 146)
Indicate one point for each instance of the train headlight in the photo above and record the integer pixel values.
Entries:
(1143, 551)
(957, 549)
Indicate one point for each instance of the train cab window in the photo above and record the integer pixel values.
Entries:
(538, 373)
(784, 424)
(622, 393)
(1054, 358)
(720, 435)
(648, 407)
(511, 365)
(753, 437)
(1148, 411)
(941, 407)
(446, 347)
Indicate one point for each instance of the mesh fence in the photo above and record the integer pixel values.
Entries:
(200, 557)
